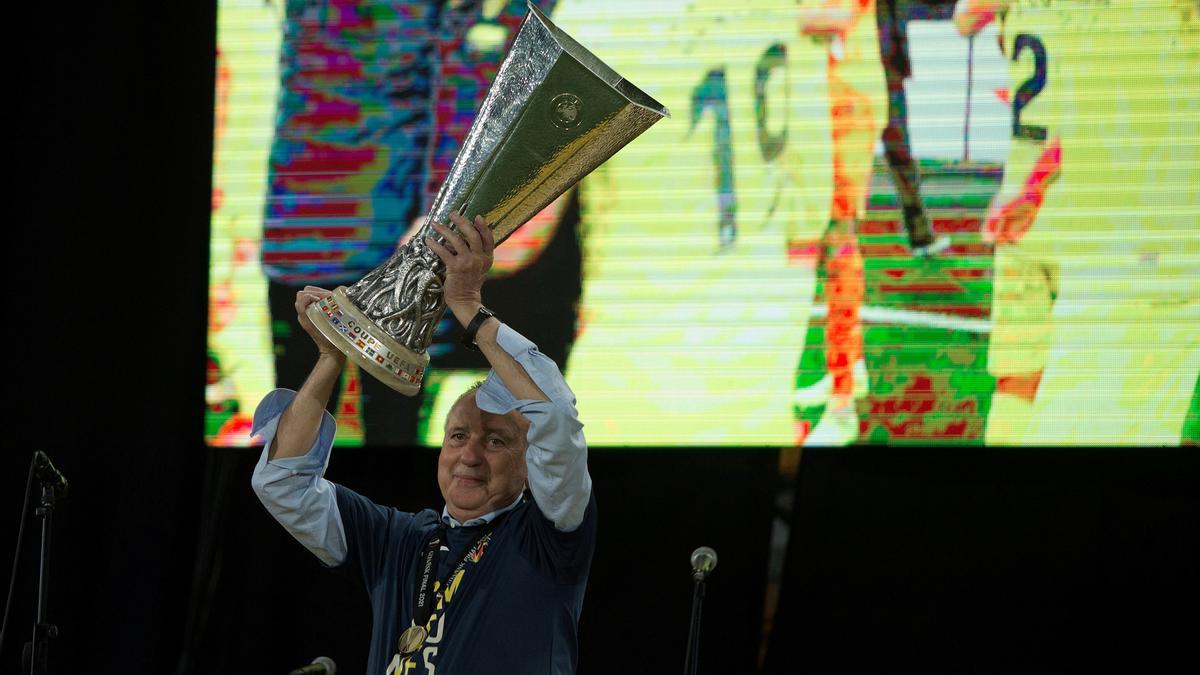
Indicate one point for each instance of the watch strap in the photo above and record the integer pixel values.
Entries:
(468, 338)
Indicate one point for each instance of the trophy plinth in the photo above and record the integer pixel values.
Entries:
(554, 113)
(367, 344)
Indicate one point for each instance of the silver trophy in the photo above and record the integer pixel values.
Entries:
(554, 113)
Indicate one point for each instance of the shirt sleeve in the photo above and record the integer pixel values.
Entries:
(294, 489)
(557, 454)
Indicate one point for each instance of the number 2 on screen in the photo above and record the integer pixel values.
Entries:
(1030, 88)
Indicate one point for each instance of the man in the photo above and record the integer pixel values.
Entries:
(1095, 302)
(856, 110)
(502, 571)
(1025, 279)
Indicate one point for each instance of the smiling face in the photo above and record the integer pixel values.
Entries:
(482, 464)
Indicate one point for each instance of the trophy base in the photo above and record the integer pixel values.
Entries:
(359, 338)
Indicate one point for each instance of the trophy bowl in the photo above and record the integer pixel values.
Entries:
(554, 113)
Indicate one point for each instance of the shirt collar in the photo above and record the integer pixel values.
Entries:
(481, 520)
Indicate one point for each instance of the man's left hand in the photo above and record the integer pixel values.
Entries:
(467, 254)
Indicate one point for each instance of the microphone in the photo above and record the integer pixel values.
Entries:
(704, 561)
(322, 665)
(48, 474)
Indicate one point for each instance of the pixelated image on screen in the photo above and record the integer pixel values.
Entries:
(867, 221)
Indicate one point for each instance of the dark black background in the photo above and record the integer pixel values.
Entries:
(950, 560)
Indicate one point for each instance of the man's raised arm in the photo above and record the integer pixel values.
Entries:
(298, 432)
(522, 379)
(468, 257)
(302, 419)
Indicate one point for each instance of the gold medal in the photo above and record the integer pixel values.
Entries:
(411, 639)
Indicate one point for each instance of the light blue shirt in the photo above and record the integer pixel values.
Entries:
(296, 494)
(451, 521)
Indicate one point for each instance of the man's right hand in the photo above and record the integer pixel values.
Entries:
(301, 421)
(304, 298)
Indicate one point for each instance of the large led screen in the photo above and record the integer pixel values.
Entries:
(865, 222)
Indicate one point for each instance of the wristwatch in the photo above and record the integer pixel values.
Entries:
(468, 338)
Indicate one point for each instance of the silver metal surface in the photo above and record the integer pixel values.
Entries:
(554, 113)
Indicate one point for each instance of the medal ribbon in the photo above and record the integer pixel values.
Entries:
(423, 599)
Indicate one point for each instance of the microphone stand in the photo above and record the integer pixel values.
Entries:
(692, 660)
(43, 630)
